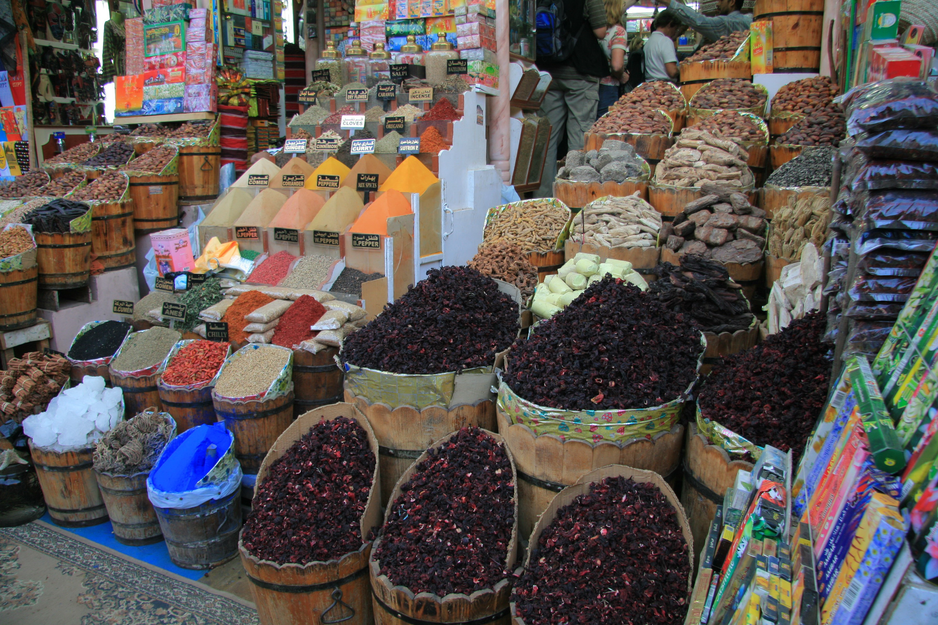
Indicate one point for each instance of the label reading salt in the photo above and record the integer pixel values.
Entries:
(394, 123)
(172, 310)
(258, 180)
(327, 143)
(155, 190)
(293, 181)
(399, 71)
(363, 146)
(326, 237)
(294, 146)
(247, 232)
(320, 75)
(366, 182)
(164, 284)
(386, 92)
(421, 94)
(352, 122)
(457, 66)
(216, 330)
(356, 94)
(409, 145)
(286, 235)
(367, 241)
(327, 182)
(122, 307)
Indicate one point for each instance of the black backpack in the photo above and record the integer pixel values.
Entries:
(555, 40)
(636, 68)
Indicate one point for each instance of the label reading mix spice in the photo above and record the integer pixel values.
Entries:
(367, 182)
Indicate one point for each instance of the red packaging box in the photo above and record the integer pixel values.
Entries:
(893, 63)
(164, 76)
(165, 61)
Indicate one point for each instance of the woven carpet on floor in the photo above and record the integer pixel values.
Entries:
(50, 577)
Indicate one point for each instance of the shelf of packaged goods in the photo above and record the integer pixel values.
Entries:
(153, 119)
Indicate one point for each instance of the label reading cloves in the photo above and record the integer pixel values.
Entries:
(366, 241)
(326, 237)
(352, 122)
(172, 310)
(216, 330)
(327, 182)
(247, 232)
(286, 235)
(122, 307)
(366, 182)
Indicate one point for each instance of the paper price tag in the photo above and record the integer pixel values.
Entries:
(122, 307)
(257, 28)
(352, 122)
(409, 145)
(295, 146)
(363, 146)
(366, 241)
(172, 310)
(216, 330)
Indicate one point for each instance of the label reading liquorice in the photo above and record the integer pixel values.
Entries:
(258, 180)
(421, 94)
(394, 123)
(294, 146)
(216, 330)
(327, 182)
(122, 307)
(172, 310)
(367, 182)
(356, 94)
(352, 122)
(457, 66)
(155, 190)
(286, 235)
(399, 71)
(363, 146)
(367, 241)
(164, 284)
(409, 145)
(328, 143)
(326, 237)
(293, 181)
(386, 92)
(247, 232)
(320, 75)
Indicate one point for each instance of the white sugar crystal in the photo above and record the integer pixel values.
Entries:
(94, 383)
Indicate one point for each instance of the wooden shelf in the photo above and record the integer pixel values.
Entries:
(58, 44)
(154, 119)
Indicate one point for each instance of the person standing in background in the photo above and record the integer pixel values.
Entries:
(730, 18)
(615, 44)
(660, 53)
(570, 102)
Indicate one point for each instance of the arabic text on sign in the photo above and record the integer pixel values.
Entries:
(122, 307)
(368, 241)
(363, 146)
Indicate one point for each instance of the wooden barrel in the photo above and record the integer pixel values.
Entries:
(205, 536)
(746, 275)
(69, 486)
(579, 194)
(188, 407)
(797, 26)
(156, 202)
(404, 433)
(670, 201)
(256, 424)
(727, 343)
(18, 292)
(132, 516)
(64, 259)
(708, 472)
(316, 592)
(140, 393)
(397, 605)
(546, 464)
(317, 380)
(79, 371)
(643, 259)
(772, 199)
(773, 269)
(198, 172)
(649, 147)
(112, 234)
(781, 154)
(780, 123)
(547, 264)
(696, 74)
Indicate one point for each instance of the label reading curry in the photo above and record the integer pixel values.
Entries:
(122, 307)
(286, 235)
(173, 310)
(247, 232)
(327, 182)
(326, 237)
(366, 241)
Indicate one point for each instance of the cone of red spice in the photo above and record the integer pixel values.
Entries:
(245, 304)
(442, 111)
(431, 141)
(196, 363)
(273, 270)
(294, 324)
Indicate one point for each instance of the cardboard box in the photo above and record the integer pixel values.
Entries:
(172, 250)
(888, 63)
